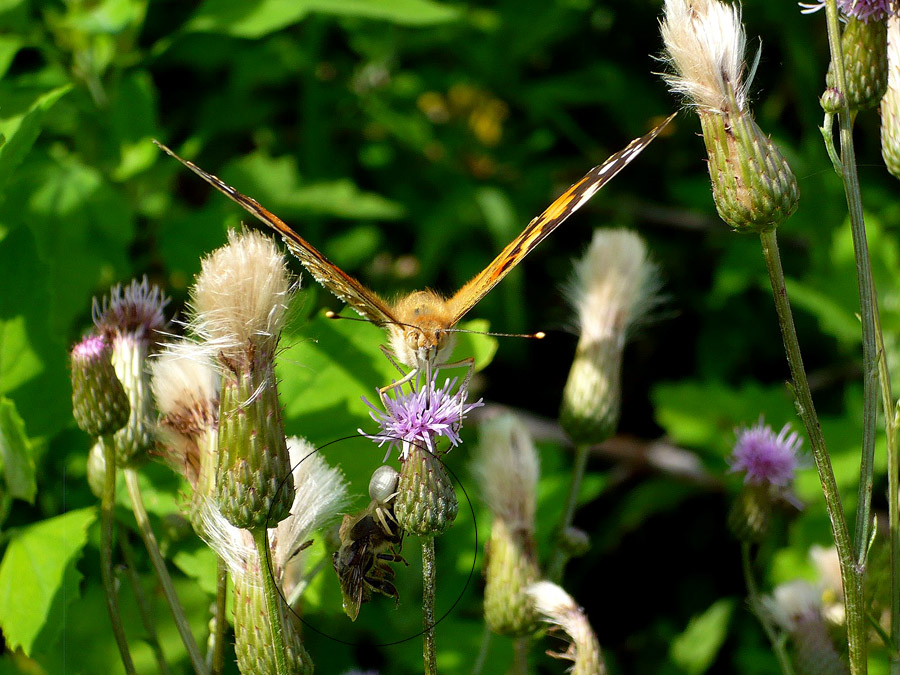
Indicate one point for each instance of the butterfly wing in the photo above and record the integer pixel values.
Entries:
(552, 217)
(329, 275)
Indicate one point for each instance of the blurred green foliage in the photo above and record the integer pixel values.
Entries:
(411, 140)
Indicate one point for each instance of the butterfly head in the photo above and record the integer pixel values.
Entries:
(422, 338)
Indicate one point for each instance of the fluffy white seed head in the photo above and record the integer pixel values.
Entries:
(557, 608)
(793, 603)
(320, 494)
(613, 286)
(241, 297)
(507, 469)
(705, 44)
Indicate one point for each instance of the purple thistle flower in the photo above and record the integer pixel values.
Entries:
(765, 457)
(863, 10)
(136, 310)
(418, 417)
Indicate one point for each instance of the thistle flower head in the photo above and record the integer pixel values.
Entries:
(705, 45)
(863, 10)
(320, 492)
(507, 469)
(794, 602)
(135, 310)
(241, 297)
(766, 459)
(185, 385)
(558, 609)
(99, 402)
(419, 416)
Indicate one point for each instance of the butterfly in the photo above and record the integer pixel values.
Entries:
(421, 324)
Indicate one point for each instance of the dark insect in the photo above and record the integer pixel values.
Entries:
(369, 541)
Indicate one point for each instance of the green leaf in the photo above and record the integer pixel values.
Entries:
(200, 565)
(253, 19)
(16, 454)
(22, 130)
(9, 47)
(38, 579)
(695, 649)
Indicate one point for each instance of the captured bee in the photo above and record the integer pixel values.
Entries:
(368, 541)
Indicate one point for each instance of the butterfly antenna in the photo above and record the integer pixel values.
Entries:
(539, 335)
(329, 314)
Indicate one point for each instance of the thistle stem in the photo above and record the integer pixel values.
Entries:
(162, 573)
(558, 559)
(778, 645)
(850, 573)
(107, 525)
(143, 606)
(520, 656)
(429, 576)
(215, 656)
(273, 605)
(486, 637)
(867, 305)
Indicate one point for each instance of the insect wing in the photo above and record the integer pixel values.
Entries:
(552, 217)
(329, 275)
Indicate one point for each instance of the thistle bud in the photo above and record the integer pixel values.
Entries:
(612, 288)
(832, 101)
(240, 301)
(751, 514)
(99, 402)
(864, 47)
(506, 468)
(890, 104)
(131, 318)
(426, 502)
(753, 186)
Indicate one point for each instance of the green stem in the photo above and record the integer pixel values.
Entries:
(273, 601)
(558, 559)
(850, 573)
(143, 606)
(778, 647)
(107, 524)
(521, 647)
(215, 656)
(162, 573)
(827, 130)
(867, 306)
(483, 650)
(429, 575)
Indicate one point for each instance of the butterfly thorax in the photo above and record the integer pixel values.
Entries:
(422, 337)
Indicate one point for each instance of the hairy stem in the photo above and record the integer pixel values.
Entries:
(143, 606)
(558, 559)
(273, 601)
(850, 572)
(107, 525)
(162, 573)
(428, 588)
(215, 655)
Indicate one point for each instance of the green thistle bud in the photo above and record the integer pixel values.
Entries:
(593, 392)
(751, 513)
(426, 501)
(864, 46)
(252, 632)
(510, 568)
(753, 186)
(832, 101)
(253, 460)
(99, 403)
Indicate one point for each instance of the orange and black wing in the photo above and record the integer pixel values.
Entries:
(329, 275)
(554, 215)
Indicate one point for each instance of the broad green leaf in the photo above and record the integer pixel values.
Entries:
(253, 19)
(16, 454)
(22, 130)
(200, 565)
(9, 47)
(32, 355)
(38, 578)
(695, 649)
